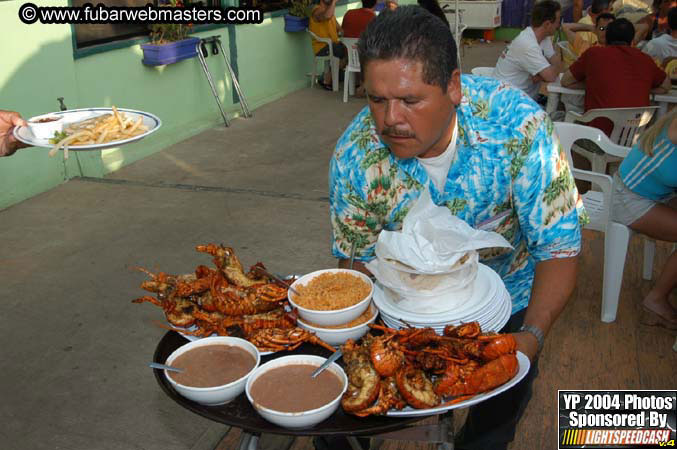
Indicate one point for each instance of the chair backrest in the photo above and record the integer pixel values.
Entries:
(482, 71)
(628, 122)
(568, 133)
(325, 40)
(353, 55)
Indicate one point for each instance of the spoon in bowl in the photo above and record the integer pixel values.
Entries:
(155, 365)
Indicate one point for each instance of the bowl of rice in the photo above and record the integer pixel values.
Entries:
(338, 334)
(331, 296)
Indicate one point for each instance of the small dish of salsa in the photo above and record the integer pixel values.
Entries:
(45, 126)
(45, 120)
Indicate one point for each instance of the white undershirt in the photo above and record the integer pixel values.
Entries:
(437, 167)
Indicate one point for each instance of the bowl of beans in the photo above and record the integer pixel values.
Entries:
(331, 296)
(283, 392)
(215, 369)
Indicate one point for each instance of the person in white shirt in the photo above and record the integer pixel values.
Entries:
(664, 47)
(531, 58)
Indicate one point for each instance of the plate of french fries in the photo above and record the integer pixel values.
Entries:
(94, 129)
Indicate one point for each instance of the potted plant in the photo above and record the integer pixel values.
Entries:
(297, 18)
(169, 42)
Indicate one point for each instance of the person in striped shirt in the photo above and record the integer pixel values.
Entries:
(645, 199)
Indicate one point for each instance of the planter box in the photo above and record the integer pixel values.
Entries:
(158, 55)
(294, 23)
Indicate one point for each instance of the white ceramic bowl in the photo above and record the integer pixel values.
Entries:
(334, 317)
(339, 336)
(303, 419)
(217, 395)
(45, 130)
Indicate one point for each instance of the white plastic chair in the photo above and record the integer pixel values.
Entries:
(328, 59)
(628, 125)
(598, 206)
(352, 68)
(482, 71)
(454, 16)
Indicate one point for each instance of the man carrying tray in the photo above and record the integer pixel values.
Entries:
(483, 149)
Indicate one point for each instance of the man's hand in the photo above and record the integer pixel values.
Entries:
(8, 143)
(526, 343)
(324, 10)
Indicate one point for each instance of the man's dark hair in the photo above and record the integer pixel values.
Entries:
(620, 32)
(434, 8)
(603, 16)
(411, 32)
(368, 3)
(598, 6)
(545, 10)
(672, 18)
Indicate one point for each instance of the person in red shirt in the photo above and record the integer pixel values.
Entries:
(356, 20)
(616, 75)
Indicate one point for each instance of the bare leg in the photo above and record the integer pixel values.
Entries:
(661, 223)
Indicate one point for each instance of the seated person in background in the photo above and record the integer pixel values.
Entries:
(664, 47)
(8, 143)
(576, 102)
(645, 199)
(356, 20)
(391, 5)
(580, 42)
(616, 75)
(598, 30)
(435, 9)
(323, 23)
(657, 21)
(481, 148)
(531, 58)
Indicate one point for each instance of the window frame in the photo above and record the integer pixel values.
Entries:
(129, 42)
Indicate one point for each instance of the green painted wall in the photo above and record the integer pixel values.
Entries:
(35, 69)
(507, 34)
(38, 66)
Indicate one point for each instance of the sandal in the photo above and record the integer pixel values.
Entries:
(652, 318)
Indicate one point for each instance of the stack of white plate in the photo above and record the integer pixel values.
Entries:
(487, 302)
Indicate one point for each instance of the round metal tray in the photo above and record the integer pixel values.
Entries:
(240, 413)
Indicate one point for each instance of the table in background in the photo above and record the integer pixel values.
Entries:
(555, 90)
(239, 413)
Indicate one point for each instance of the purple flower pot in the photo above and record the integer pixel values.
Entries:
(158, 55)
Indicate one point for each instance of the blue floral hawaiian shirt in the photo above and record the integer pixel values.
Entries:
(509, 172)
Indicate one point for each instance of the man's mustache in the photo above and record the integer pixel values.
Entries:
(394, 132)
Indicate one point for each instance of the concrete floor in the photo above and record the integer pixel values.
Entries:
(74, 373)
